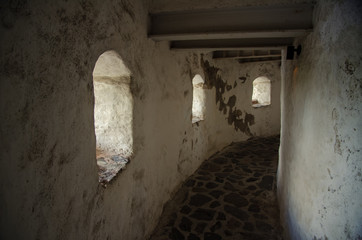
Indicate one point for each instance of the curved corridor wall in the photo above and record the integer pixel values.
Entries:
(48, 179)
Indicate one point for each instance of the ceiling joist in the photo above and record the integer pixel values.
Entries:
(244, 43)
(246, 54)
(248, 34)
(274, 25)
(231, 35)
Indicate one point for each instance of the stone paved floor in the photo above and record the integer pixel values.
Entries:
(231, 196)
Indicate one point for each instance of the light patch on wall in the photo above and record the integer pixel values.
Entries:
(261, 92)
(113, 115)
(198, 101)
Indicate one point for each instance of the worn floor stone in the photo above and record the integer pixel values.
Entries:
(231, 196)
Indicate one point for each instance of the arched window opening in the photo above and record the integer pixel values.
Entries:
(198, 101)
(261, 92)
(113, 115)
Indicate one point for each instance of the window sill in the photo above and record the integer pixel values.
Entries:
(260, 105)
(109, 167)
(196, 120)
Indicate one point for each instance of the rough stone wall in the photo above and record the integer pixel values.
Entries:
(48, 176)
(198, 102)
(113, 105)
(261, 91)
(319, 176)
(113, 115)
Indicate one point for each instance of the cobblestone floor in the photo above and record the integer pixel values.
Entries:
(231, 196)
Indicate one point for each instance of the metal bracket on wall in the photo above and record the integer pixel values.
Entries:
(291, 50)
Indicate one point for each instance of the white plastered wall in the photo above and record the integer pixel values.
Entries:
(237, 85)
(48, 179)
(319, 175)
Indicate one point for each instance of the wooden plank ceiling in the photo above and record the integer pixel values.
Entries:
(248, 34)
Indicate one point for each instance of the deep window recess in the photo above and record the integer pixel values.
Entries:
(198, 100)
(113, 108)
(261, 92)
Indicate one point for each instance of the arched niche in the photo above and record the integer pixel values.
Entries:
(113, 114)
(261, 92)
(198, 100)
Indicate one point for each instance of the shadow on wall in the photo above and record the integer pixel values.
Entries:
(234, 116)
